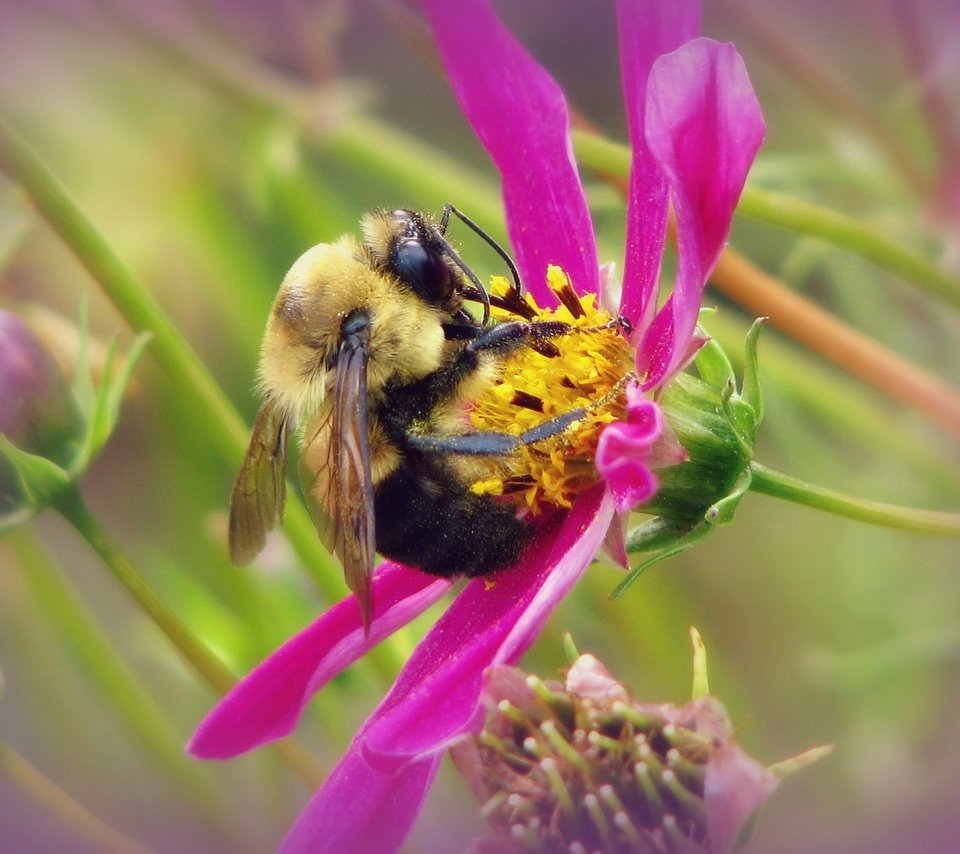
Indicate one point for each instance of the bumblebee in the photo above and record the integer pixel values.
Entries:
(371, 354)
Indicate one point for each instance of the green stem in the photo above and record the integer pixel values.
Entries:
(853, 235)
(41, 788)
(98, 659)
(72, 507)
(215, 416)
(417, 169)
(604, 155)
(783, 486)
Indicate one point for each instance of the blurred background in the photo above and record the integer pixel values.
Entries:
(213, 141)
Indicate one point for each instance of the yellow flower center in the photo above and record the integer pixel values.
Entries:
(585, 368)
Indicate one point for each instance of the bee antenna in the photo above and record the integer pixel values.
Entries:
(449, 251)
(448, 208)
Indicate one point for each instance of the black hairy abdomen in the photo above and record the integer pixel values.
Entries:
(428, 519)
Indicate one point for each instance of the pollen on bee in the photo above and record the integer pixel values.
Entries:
(588, 371)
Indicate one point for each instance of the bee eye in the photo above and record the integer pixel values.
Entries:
(423, 269)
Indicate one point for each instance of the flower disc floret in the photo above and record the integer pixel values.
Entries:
(587, 368)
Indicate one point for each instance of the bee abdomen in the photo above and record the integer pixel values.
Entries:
(434, 523)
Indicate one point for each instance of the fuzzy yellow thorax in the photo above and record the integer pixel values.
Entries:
(588, 370)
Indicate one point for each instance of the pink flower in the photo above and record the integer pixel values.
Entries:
(694, 126)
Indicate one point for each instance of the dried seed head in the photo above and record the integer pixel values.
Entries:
(609, 773)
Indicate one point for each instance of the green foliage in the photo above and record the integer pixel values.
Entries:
(208, 161)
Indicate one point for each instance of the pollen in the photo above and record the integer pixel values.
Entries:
(586, 368)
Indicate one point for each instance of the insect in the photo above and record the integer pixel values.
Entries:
(370, 352)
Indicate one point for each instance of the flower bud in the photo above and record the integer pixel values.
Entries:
(37, 410)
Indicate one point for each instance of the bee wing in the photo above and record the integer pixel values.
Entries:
(256, 504)
(335, 470)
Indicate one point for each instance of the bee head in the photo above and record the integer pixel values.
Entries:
(418, 260)
(412, 248)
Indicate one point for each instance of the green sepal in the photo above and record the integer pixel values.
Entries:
(84, 391)
(656, 534)
(103, 408)
(41, 481)
(570, 651)
(721, 512)
(750, 390)
(716, 422)
(714, 365)
(701, 681)
(683, 538)
(746, 832)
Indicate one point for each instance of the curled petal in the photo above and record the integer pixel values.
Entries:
(648, 29)
(703, 126)
(520, 115)
(360, 809)
(625, 450)
(436, 697)
(268, 702)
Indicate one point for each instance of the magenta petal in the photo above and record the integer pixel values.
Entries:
(704, 126)
(436, 696)
(734, 786)
(615, 541)
(648, 29)
(267, 703)
(520, 115)
(358, 809)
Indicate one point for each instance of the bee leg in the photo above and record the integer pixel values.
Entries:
(461, 331)
(506, 337)
(417, 400)
(492, 444)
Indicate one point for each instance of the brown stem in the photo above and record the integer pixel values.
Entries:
(823, 333)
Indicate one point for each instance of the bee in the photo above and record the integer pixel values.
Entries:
(371, 354)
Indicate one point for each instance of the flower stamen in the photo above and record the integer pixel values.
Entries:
(586, 369)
